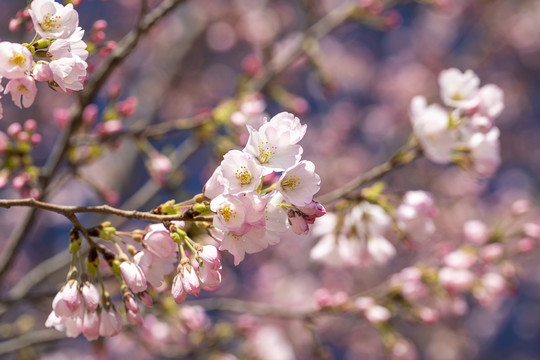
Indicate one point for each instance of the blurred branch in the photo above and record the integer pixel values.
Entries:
(317, 31)
(124, 48)
(31, 338)
(402, 157)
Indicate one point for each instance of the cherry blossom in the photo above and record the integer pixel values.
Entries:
(53, 19)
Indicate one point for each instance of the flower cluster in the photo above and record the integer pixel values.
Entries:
(80, 307)
(56, 55)
(249, 218)
(465, 134)
(357, 238)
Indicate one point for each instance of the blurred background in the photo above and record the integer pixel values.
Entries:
(353, 89)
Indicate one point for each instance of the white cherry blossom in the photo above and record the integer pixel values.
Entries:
(459, 90)
(299, 183)
(241, 172)
(15, 60)
(53, 19)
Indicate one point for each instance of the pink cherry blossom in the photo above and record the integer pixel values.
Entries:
(91, 296)
(133, 276)
(190, 281)
(110, 323)
(42, 72)
(91, 324)
(241, 172)
(158, 241)
(69, 73)
(15, 60)
(23, 91)
(177, 290)
(299, 183)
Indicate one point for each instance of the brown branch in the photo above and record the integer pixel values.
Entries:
(124, 48)
(68, 211)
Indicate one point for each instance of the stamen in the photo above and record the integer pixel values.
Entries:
(227, 213)
(18, 59)
(243, 175)
(265, 152)
(291, 182)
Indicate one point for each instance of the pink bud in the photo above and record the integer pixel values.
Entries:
(35, 139)
(100, 25)
(134, 318)
(71, 295)
(252, 64)
(210, 278)
(323, 297)
(61, 117)
(23, 136)
(4, 141)
(98, 37)
(110, 323)
(133, 276)
(130, 303)
(158, 242)
(160, 167)
(42, 72)
(177, 290)
(30, 125)
(14, 24)
(209, 254)
(90, 328)
(90, 114)
(127, 107)
(14, 129)
(428, 315)
(298, 223)
(145, 299)
(91, 296)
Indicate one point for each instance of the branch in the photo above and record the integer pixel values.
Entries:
(125, 47)
(69, 211)
(317, 31)
(398, 160)
(31, 338)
